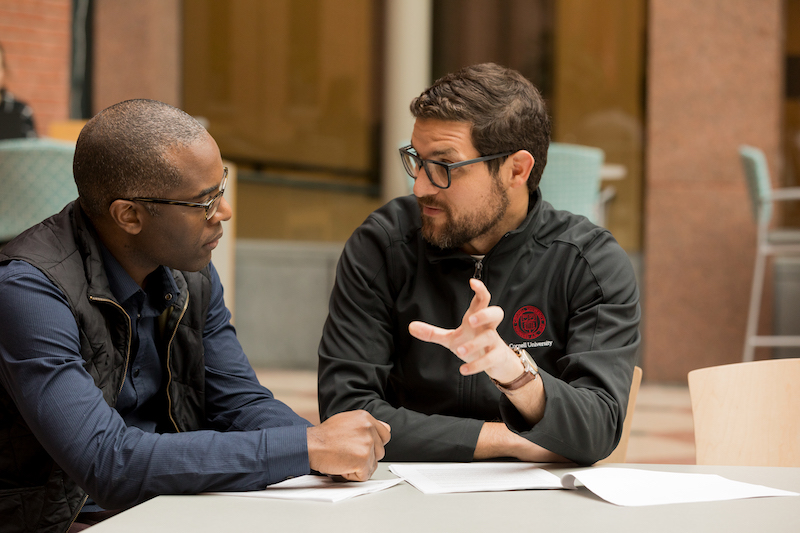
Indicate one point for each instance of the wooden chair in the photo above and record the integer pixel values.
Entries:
(621, 451)
(65, 130)
(747, 413)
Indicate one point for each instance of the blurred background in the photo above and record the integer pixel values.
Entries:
(308, 101)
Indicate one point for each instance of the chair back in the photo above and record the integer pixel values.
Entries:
(621, 451)
(747, 413)
(759, 185)
(571, 179)
(36, 182)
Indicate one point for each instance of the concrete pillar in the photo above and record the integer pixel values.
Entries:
(407, 70)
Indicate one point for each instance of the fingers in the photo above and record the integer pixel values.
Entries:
(486, 339)
(482, 359)
(428, 333)
(384, 431)
(482, 296)
(487, 318)
(357, 476)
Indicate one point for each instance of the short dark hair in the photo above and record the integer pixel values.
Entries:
(124, 152)
(506, 112)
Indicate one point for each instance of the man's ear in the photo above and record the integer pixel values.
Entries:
(126, 215)
(521, 165)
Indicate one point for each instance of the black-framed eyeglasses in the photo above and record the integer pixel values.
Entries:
(437, 171)
(211, 206)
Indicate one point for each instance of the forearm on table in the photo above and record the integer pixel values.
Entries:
(420, 437)
(496, 440)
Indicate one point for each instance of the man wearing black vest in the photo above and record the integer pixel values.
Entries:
(120, 374)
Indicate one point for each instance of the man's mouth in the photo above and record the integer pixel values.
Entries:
(215, 241)
(431, 208)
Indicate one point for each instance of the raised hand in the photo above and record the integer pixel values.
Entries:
(476, 341)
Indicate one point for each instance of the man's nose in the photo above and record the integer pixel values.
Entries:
(422, 185)
(225, 211)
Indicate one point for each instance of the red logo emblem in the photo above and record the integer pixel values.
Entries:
(529, 322)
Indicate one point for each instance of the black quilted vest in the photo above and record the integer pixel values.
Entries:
(35, 493)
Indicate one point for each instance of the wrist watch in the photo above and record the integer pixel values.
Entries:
(529, 372)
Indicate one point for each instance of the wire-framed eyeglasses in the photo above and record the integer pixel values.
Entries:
(211, 206)
(437, 171)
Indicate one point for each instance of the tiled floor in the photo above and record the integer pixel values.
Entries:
(661, 431)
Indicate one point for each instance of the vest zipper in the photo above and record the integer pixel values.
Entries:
(75, 516)
(130, 336)
(169, 368)
(478, 269)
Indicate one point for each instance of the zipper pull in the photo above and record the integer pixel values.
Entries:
(478, 269)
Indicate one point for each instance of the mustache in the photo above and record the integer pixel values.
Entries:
(430, 201)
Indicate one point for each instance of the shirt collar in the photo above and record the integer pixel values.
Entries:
(124, 287)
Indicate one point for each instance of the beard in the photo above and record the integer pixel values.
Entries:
(456, 231)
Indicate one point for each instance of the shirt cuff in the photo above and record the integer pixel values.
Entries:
(287, 452)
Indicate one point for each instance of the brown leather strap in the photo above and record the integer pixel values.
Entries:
(525, 378)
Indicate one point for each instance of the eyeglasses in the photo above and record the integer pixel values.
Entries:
(211, 206)
(438, 172)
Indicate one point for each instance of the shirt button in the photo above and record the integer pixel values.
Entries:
(168, 296)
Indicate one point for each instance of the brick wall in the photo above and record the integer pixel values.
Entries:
(714, 82)
(36, 36)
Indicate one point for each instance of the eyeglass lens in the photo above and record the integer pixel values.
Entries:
(214, 207)
(436, 173)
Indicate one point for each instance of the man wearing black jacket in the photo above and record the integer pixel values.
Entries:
(474, 318)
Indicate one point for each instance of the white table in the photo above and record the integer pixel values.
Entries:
(403, 508)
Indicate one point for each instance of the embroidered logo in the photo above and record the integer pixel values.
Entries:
(529, 322)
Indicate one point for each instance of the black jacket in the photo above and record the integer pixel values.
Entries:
(35, 493)
(16, 117)
(569, 296)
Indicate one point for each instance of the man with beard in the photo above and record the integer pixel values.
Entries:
(474, 318)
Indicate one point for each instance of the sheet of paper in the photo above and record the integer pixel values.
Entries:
(632, 487)
(317, 488)
(442, 478)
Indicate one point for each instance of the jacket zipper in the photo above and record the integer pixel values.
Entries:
(478, 269)
(80, 506)
(169, 368)
(130, 336)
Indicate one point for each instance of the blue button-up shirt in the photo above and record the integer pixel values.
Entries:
(119, 455)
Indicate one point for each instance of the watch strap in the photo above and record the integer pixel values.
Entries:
(529, 372)
(524, 379)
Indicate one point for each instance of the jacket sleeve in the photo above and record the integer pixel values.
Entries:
(587, 384)
(357, 356)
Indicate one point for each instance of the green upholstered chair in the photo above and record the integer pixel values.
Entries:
(770, 241)
(35, 182)
(571, 179)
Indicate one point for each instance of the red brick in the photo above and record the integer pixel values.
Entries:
(36, 36)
